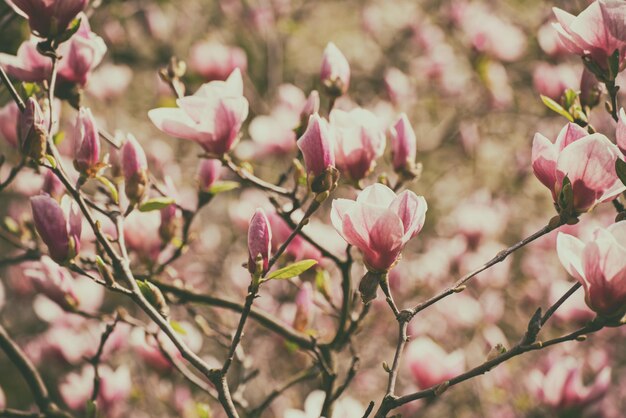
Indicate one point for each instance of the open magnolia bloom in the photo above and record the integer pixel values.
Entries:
(587, 160)
(379, 223)
(212, 116)
(597, 32)
(599, 265)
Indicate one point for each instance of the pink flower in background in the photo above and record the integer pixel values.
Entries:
(574, 309)
(335, 71)
(273, 134)
(317, 146)
(587, 160)
(399, 86)
(298, 248)
(553, 80)
(134, 168)
(109, 81)
(596, 32)
(209, 171)
(59, 226)
(53, 281)
(216, 61)
(549, 41)
(379, 223)
(561, 386)
(9, 115)
(115, 387)
(28, 64)
(359, 142)
(141, 233)
(403, 144)
(212, 117)
(81, 54)
(599, 265)
(430, 364)
(48, 18)
(259, 241)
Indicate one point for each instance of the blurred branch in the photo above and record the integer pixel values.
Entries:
(248, 177)
(31, 375)
(14, 172)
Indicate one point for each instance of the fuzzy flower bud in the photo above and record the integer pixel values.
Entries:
(259, 242)
(59, 226)
(317, 146)
(33, 130)
(135, 169)
(335, 71)
(403, 145)
(86, 142)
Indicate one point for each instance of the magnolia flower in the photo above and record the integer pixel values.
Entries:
(59, 226)
(403, 145)
(215, 61)
(48, 18)
(335, 71)
(553, 80)
(208, 173)
(212, 117)
(86, 141)
(588, 161)
(359, 141)
(9, 115)
(259, 242)
(28, 64)
(599, 265)
(430, 364)
(317, 146)
(561, 387)
(135, 169)
(379, 223)
(597, 32)
(81, 54)
(54, 282)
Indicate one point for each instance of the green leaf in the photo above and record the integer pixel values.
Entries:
(110, 187)
(614, 64)
(52, 161)
(203, 410)
(223, 186)
(91, 411)
(58, 137)
(570, 98)
(176, 326)
(566, 197)
(620, 169)
(30, 89)
(157, 203)
(554, 106)
(291, 270)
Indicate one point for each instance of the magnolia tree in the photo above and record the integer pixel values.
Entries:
(292, 257)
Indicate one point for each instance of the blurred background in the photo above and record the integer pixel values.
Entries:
(467, 73)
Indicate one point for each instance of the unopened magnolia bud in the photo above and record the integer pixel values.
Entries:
(154, 295)
(86, 143)
(369, 286)
(105, 271)
(403, 145)
(33, 130)
(335, 71)
(169, 223)
(208, 173)
(59, 226)
(135, 168)
(311, 107)
(259, 243)
(325, 182)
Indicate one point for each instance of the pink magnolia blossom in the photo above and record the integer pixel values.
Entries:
(398, 86)
(142, 234)
(86, 141)
(561, 386)
(359, 141)
(335, 71)
(81, 54)
(549, 41)
(379, 223)
(115, 387)
(587, 160)
(215, 61)
(430, 364)
(134, 168)
(28, 64)
(208, 172)
(553, 80)
(9, 116)
(59, 226)
(596, 32)
(317, 146)
(403, 144)
(212, 117)
(48, 18)
(259, 241)
(109, 81)
(599, 264)
(54, 282)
